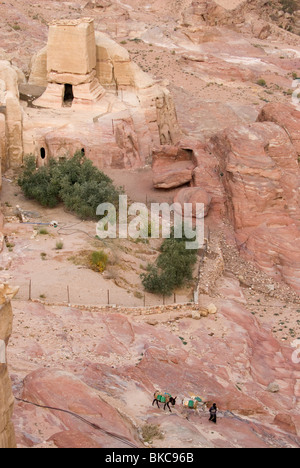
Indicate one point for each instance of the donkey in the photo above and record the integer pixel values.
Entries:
(168, 400)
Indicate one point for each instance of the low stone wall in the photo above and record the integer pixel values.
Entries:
(189, 309)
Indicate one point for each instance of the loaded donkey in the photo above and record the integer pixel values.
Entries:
(165, 398)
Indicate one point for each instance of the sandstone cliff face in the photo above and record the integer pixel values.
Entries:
(38, 67)
(287, 117)
(11, 121)
(260, 173)
(106, 143)
(7, 435)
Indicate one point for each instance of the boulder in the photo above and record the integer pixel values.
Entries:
(197, 197)
(212, 309)
(173, 177)
(273, 388)
(78, 53)
(296, 22)
(261, 29)
(91, 4)
(204, 313)
(172, 167)
(287, 117)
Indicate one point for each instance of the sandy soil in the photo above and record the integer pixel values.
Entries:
(34, 257)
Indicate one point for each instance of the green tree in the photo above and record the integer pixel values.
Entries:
(75, 182)
(173, 268)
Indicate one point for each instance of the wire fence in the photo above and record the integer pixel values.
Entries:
(68, 295)
(112, 296)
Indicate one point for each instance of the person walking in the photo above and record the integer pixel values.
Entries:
(213, 413)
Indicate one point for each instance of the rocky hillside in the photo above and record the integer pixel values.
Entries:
(26, 26)
(284, 13)
(231, 68)
(105, 365)
(7, 433)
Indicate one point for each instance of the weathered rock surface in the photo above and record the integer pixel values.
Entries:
(108, 375)
(287, 117)
(50, 388)
(105, 143)
(172, 167)
(255, 16)
(7, 434)
(206, 176)
(194, 196)
(11, 125)
(261, 179)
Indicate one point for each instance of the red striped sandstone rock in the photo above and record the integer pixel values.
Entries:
(7, 434)
(172, 167)
(60, 389)
(261, 179)
(287, 117)
(194, 196)
(229, 358)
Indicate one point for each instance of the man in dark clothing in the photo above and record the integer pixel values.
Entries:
(213, 413)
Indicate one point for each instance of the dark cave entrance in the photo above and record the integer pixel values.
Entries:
(43, 153)
(68, 95)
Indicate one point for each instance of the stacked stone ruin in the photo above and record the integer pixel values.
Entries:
(71, 65)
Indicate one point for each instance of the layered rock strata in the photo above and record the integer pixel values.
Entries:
(7, 434)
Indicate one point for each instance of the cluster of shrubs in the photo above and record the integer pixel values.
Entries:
(74, 182)
(173, 268)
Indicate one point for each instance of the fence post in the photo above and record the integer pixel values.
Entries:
(68, 291)
(29, 297)
(108, 297)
